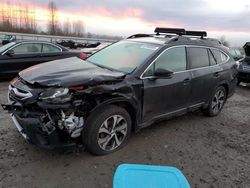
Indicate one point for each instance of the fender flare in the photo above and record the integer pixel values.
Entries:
(115, 100)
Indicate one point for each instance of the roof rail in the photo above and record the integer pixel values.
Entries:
(139, 35)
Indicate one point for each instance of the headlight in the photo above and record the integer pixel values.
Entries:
(238, 64)
(56, 95)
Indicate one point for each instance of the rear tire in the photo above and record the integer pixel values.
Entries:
(216, 102)
(108, 130)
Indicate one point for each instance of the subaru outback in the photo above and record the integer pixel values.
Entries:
(122, 88)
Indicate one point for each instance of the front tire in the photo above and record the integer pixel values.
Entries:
(217, 102)
(238, 82)
(108, 129)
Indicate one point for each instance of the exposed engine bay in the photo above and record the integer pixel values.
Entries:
(56, 118)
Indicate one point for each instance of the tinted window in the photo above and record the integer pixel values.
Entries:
(28, 48)
(211, 58)
(173, 59)
(198, 57)
(123, 56)
(219, 56)
(50, 48)
(238, 52)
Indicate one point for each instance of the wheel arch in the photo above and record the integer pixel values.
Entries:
(226, 86)
(129, 106)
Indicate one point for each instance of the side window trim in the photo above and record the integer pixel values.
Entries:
(153, 62)
(187, 59)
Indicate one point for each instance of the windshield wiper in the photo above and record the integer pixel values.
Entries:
(108, 68)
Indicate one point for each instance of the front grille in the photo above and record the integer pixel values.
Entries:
(244, 75)
(18, 94)
(246, 68)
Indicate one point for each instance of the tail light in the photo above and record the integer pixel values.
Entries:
(83, 55)
(76, 88)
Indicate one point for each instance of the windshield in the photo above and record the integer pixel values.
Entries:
(7, 36)
(233, 53)
(6, 46)
(123, 56)
(238, 52)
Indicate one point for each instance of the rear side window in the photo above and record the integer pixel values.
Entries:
(198, 57)
(47, 48)
(28, 48)
(219, 56)
(212, 58)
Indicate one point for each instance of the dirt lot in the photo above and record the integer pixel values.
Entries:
(212, 152)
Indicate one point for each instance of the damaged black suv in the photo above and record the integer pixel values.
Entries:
(128, 85)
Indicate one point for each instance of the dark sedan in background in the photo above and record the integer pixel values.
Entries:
(8, 38)
(16, 56)
(244, 66)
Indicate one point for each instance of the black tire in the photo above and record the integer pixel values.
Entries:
(238, 82)
(210, 110)
(96, 121)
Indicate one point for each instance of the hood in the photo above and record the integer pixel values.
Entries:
(69, 72)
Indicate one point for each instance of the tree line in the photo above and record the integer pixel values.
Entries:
(18, 17)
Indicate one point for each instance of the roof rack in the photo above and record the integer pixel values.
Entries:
(179, 31)
(197, 33)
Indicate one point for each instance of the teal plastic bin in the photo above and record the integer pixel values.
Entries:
(147, 176)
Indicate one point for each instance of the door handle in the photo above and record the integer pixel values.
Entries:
(186, 81)
(216, 74)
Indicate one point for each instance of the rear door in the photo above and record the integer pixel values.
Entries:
(25, 55)
(52, 52)
(204, 72)
(163, 96)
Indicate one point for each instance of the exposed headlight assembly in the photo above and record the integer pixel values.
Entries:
(238, 64)
(56, 95)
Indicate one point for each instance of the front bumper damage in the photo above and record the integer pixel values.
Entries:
(47, 128)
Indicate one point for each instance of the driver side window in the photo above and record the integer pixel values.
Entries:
(173, 59)
(28, 48)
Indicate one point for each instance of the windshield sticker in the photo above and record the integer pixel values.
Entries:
(149, 47)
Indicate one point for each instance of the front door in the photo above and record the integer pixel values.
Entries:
(164, 96)
(25, 55)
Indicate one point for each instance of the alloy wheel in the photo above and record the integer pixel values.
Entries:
(218, 101)
(112, 132)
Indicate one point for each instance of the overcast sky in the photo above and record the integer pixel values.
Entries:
(125, 17)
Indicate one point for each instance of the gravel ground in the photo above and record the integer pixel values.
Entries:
(211, 152)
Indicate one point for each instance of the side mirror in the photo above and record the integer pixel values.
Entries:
(10, 52)
(163, 73)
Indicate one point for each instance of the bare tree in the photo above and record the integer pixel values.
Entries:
(224, 41)
(78, 28)
(53, 19)
(67, 27)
